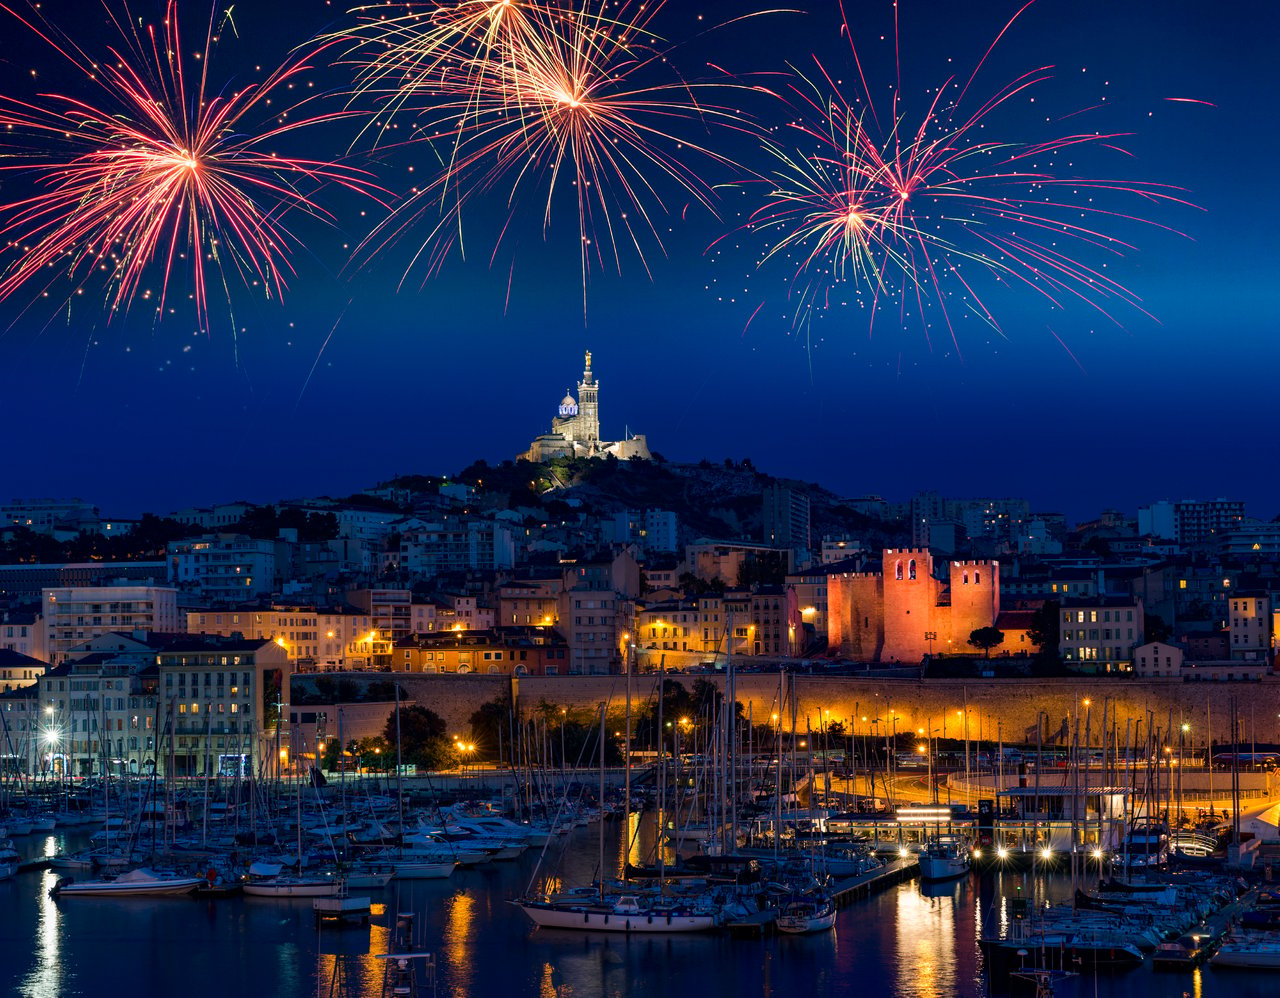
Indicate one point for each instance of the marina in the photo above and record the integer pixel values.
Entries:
(886, 922)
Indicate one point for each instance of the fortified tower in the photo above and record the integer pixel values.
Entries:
(975, 599)
(910, 601)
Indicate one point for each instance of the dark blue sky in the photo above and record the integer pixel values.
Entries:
(426, 379)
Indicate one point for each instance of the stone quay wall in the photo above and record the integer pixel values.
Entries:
(1008, 709)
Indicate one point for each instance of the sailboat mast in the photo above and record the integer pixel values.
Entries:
(399, 768)
(601, 736)
(662, 772)
(729, 837)
(626, 770)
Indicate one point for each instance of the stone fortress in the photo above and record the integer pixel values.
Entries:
(575, 431)
(903, 613)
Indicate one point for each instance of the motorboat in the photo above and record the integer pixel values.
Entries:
(1147, 846)
(1184, 953)
(808, 914)
(408, 868)
(369, 875)
(1251, 953)
(142, 882)
(944, 858)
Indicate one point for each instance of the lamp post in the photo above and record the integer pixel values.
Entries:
(564, 720)
(925, 749)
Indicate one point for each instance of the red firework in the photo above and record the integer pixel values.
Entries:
(157, 171)
(908, 210)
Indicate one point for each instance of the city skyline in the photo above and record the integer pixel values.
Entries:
(351, 382)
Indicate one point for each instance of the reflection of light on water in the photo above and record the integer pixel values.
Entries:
(635, 852)
(346, 964)
(547, 986)
(926, 944)
(1197, 983)
(459, 930)
(45, 981)
(371, 968)
(50, 847)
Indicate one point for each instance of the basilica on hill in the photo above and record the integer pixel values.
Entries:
(575, 431)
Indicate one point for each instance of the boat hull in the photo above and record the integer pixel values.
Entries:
(301, 889)
(598, 919)
(934, 868)
(110, 888)
(424, 871)
(1265, 957)
(797, 926)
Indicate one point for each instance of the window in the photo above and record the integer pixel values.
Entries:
(911, 569)
(897, 571)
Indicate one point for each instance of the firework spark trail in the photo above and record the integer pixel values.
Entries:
(405, 63)
(537, 98)
(906, 211)
(157, 172)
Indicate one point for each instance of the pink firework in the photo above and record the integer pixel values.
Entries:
(535, 101)
(157, 172)
(918, 210)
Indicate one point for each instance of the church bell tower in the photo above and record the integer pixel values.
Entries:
(588, 406)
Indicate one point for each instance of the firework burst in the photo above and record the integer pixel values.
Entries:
(534, 98)
(157, 172)
(914, 211)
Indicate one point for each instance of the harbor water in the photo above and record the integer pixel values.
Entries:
(909, 941)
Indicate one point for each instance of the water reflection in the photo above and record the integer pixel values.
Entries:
(546, 982)
(459, 932)
(46, 978)
(346, 961)
(925, 932)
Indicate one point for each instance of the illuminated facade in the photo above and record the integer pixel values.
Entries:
(575, 430)
(522, 651)
(312, 638)
(1100, 633)
(71, 616)
(904, 613)
(220, 696)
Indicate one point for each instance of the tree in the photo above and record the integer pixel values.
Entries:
(423, 737)
(372, 752)
(490, 726)
(768, 568)
(1156, 629)
(986, 638)
(1045, 628)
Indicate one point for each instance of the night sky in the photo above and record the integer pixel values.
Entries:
(427, 373)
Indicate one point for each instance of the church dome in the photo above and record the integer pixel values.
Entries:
(568, 406)
(568, 400)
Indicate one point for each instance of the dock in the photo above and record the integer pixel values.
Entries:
(895, 871)
(33, 865)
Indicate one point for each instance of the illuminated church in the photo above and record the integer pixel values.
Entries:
(575, 431)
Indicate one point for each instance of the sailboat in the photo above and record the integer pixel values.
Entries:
(812, 913)
(629, 911)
